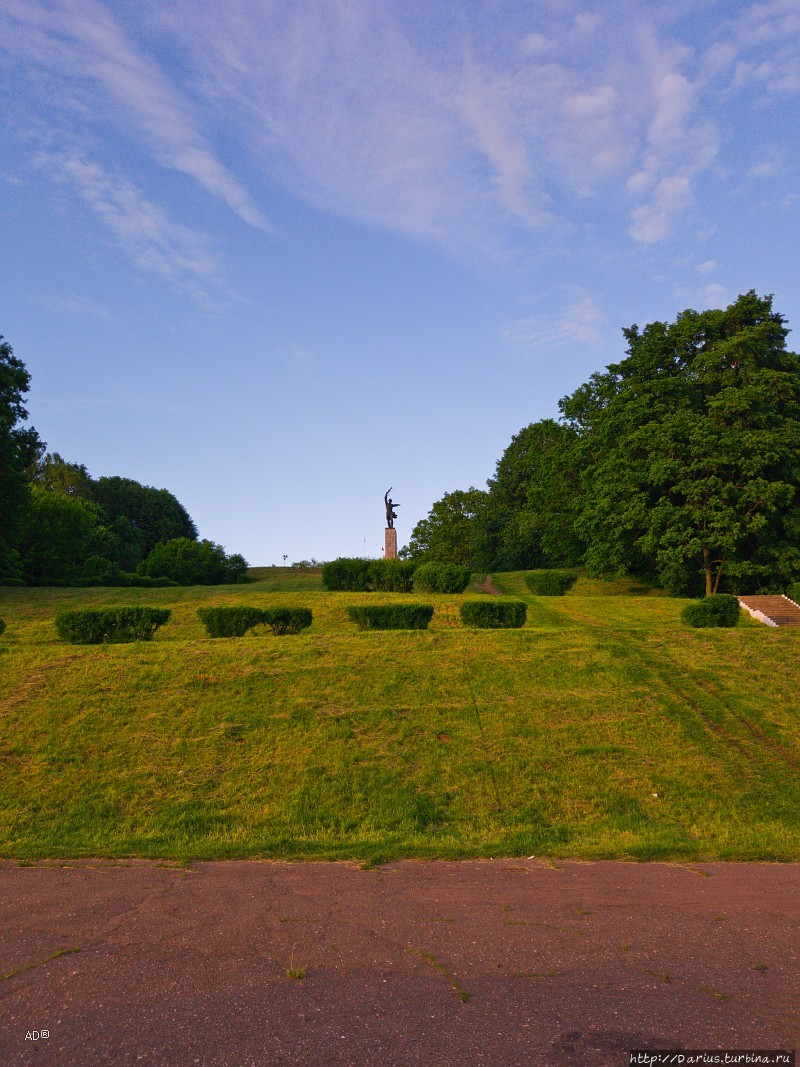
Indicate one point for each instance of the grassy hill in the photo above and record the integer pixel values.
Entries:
(604, 728)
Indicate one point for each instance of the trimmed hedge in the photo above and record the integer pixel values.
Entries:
(347, 575)
(236, 621)
(720, 609)
(793, 592)
(441, 578)
(390, 616)
(550, 583)
(2, 627)
(392, 575)
(112, 625)
(231, 621)
(494, 614)
(287, 620)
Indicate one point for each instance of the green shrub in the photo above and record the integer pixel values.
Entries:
(793, 592)
(720, 609)
(287, 620)
(188, 562)
(441, 578)
(2, 627)
(347, 575)
(390, 616)
(229, 622)
(494, 614)
(392, 575)
(112, 625)
(550, 583)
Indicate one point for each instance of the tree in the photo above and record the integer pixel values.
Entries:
(155, 512)
(57, 534)
(54, 473)
(448, 534)
(529, 516)
(18, 447)
(691, 452)
(193, 563)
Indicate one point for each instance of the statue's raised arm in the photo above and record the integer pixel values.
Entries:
(391, 514)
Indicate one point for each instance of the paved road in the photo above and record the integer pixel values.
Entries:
(497, 962)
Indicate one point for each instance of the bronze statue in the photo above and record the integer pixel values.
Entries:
(391, 514)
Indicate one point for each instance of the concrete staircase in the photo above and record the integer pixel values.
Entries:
(772, 610)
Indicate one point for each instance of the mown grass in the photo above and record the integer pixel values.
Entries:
(603, 728)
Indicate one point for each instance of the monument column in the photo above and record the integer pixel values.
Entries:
(390, 543)
(390, 534)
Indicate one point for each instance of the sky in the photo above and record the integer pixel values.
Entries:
(279, 256)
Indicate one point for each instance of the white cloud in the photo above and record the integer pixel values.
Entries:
(653, 222)
(540, 335)
(81, 40)
(454, 127)
(142, 228)
(707, 267)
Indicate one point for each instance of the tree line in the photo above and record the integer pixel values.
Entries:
(680, 465)
(60, 526)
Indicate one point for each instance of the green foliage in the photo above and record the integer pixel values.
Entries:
(719, 609)
(16, 445)
(287, 620)
(793, 592)
(58, 534)
(2, 627)
(392, 575)
(54, 473)
(347, 575)
(533, 503)
(449, 533)
(494, 614)
(550, 583)
(236, 621)
(110, 625)
(230, 621)
(441, 578)
(193, 563)
(691, 448)
(156, 513)
(390, 616)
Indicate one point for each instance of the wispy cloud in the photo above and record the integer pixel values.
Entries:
(82, 41)
(536, 336)
(143, 228)
(446, 125)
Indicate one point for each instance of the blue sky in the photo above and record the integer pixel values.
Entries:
(276, 257)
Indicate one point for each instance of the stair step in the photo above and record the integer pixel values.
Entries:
(772, 610)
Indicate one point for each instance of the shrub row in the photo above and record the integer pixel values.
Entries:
(392, 575)
(353, 575)
(390, 616)
(441, 578)
(90, 627)
(720, 609)
(236, 621)
(494, 614)
(550, 583)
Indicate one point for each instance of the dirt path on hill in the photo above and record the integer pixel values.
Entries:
(489, 587)
(503, 962)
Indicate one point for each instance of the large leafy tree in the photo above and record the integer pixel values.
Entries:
(155, 513)
(691, 452)
(19, 448)
(57, 534)
(449, 532)
(529, 516)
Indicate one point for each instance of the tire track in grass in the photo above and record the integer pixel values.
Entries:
(479, 720)
(678, 681)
